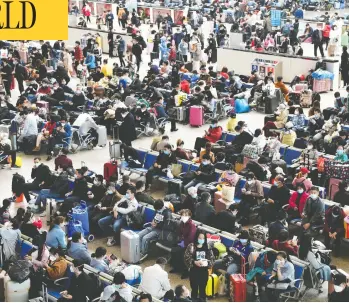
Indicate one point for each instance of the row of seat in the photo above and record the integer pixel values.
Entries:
(26, 245)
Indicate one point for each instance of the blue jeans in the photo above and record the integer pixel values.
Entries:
(109, 224)
(43, 195)
(147, 235)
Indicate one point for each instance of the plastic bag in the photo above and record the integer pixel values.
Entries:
(241, 106)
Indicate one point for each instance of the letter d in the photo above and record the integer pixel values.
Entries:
(24, 13)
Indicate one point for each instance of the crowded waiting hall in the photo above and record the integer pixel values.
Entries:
(178, 151)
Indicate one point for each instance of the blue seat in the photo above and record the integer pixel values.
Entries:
(194, 167)
(142, 153)
(25, 247)
(230, 137)
(238, 188)
(185, 165)
(227, 242)
(291, 154)
(149, 214)
(149, 160)
(218, 174)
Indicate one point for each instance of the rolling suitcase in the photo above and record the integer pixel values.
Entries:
(271, 104)
(180, 113)
(130, 247)
(102, 135)
(110, 169)
(212, 285)
(115, 146)
(51, 208)
(196, 116)
(238, 286)
(333, 188)
(5, 129)
(16, 292)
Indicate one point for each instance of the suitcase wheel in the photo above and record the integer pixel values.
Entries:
(90, 238)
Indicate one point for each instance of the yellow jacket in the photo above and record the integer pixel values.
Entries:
(106, 70)
(231, 124)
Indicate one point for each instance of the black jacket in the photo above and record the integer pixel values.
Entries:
(225, 221)
(78, 100)
(145, 198)
(20, 72)
(243, 139)
(204, 212)
(61, 74)
(189, 203)
(41, 174)
(80, 287)
(166, 160)
(80, 188)
(280, 195)
(137, 50)
(161, 216)
(58, 94)
(207, 173)
(127, 129)
(61, 184)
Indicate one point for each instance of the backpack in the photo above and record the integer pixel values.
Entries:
(135, 220)
(17, 182)
(19, 271)
(98, 289)
(169, 233)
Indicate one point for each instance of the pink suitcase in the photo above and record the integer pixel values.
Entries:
(301, 87)
(196, 116)
(42, 104)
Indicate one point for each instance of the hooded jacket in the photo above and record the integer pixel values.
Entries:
(79, 251)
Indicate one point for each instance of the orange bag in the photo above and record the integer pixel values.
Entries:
(346, 227)
(321, 164)
(20, 199)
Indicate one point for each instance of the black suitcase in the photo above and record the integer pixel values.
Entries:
(271, 104)
(174, 187)
(211, 189)
(329, 111)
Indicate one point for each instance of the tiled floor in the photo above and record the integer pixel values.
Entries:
(96, 158)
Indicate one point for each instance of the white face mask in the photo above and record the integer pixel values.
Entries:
(53, 258)
(185, 219)
(314, 196)
(37, 164)
(309, 147)
(96, 182)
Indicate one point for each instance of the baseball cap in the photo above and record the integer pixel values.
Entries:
(304, 170)
(279, 170)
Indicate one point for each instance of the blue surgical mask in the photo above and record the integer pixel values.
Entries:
(110, 192)
(276, 183)
(166, 152)
(201, 241)
(127, 196)
(340, 151)
(204, 163)
(243, 241)
(213, 125)
(300, 191)
(314, 196)
(195, 196)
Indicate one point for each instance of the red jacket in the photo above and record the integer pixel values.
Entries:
(185, 86)
(338, 225)
(50, 126)
(187, 232)
(214, 134)
(78, 55)
(326, 31)
(292, 202)
(286, 247)
(172, 55)
(86, 12)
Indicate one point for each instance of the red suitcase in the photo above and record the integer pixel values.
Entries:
(196, 116)
(238, 287)
(333, 187)
(110, 169)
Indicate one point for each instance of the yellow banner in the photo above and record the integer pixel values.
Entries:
(34, 20)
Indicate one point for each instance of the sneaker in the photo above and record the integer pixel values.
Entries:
(97, 147)
(14, 167)
(111, 242)
(143, 257)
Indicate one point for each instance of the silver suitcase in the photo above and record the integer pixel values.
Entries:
(115, 146)
(4, 128)
(130, 247)
(51, 208)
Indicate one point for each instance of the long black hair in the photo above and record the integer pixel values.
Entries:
(199, 232)
(5, 205)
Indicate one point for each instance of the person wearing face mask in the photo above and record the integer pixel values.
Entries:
(316, 122)
(97, 191)
(277, 226)
(56, 234)
(251, 195)
(288, 136)
(314, 210)
(56, 266)
(308, 254)
(283, 272)
(334, 228)
(302, 177)
(57, 191)
(57, 95)
(127, 130)
(297, 201)
(341, 156)
(342, 195)
(141, 196)
(80, 286)
(78, 193)
(120, 216)
(103, 208)
(162, 162)
(283, 243)
(119, 285)
(298, 120)
(187, 231)
(155, 280)
(78, 248)
(198, 258)
(231, 263)
(277, 197)
(62, 160)
(41, 175)
(191, 200)
(205, 174)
